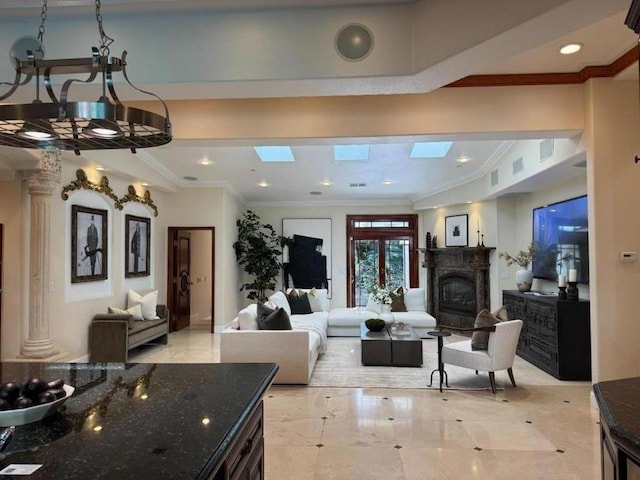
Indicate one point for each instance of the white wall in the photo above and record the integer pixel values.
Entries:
(229, 293)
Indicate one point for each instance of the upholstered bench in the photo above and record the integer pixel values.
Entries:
(112, 335)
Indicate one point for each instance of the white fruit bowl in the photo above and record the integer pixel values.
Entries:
(22, 416)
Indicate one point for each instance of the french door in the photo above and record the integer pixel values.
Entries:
(381, 251)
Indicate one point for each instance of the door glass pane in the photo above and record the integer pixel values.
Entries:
(366, 273)
(396, 262)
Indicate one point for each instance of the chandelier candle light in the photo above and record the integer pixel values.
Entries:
(80, 125)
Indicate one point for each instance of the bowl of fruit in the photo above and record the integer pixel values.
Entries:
(32, 401)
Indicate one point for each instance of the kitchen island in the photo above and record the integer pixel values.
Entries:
(146, 421)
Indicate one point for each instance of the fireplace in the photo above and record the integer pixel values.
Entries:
(457, 284)
(457, 294)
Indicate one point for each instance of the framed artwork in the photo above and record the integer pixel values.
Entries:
(88, 244)
(456, 229)
(137, 246)
(307, 261)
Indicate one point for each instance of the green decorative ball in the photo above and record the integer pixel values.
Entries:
(375, 324)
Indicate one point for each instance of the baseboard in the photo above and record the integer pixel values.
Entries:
(220, 328)
(593, 401)
(82, 359)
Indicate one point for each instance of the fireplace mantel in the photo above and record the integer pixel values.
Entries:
(471, 263)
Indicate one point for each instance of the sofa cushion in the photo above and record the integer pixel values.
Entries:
(415, 318)
(298, 302)
(148, 302)
(397, 301)
(269, 319)
(349, 317)
(248, 318)
(373, 306)
(319, 299)
(480, 340)
(280, 300)
(414, 300)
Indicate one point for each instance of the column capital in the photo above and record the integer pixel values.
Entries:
(48, 175)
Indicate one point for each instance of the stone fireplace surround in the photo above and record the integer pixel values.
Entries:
(457, 283)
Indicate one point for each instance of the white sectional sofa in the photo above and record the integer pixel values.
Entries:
(345, 322)
(296, 351)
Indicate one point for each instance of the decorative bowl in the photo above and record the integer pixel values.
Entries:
(375, 324)
(22, 416)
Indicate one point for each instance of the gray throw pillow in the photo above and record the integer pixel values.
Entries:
(299, 304)
(480, 340)
(269, 319)
(397, 301)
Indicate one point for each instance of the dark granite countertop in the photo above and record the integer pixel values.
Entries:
(137, 421)
(619, 402)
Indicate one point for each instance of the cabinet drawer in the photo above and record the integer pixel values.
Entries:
(248, 441)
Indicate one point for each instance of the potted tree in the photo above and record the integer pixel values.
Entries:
(258, 251)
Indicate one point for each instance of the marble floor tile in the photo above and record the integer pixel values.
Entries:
(299, 432)
(445, 464)
(359, 432)
(508, 436)
(290, 462)
(358, 463)
(431, 434)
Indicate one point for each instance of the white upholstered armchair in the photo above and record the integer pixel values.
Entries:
(503, 340)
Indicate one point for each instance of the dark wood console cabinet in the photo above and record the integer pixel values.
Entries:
(556, 335)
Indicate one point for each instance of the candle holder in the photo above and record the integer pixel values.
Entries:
(482, 244)
(572, 291)
(562, 293)
(478, 238)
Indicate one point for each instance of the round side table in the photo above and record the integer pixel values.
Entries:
(441, 371)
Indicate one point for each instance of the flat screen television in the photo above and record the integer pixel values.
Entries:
(561, 234)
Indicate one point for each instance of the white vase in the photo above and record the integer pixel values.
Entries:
(524, 280)
(386, 315)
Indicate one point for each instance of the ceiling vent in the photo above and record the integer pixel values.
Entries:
(354, 42)
(518, 165)
(546, 149)
(357, 185)
(494, 178)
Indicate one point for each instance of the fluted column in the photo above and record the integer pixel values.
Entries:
(41, 183)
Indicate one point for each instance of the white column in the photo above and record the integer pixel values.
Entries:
(41, 183)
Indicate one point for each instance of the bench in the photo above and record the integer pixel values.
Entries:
(112, 336)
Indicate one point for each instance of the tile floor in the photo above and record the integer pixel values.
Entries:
(545, 429)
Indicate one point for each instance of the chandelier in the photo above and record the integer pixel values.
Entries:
(75, 125)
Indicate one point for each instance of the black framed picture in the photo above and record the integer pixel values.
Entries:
(456, 230)
(138, 246)
(88, 244)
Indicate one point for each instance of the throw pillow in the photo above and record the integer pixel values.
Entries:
(397, 301)
(135, 312)
(269, 319)
(319, 299)
(502, 314)
(280, 300)
(480, 340)
(148, 302)
(299, 303)
(414, 300)
(248, 318)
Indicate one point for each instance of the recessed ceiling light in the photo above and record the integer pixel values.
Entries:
(387, 182)
(315, 192)
(263, 184)
(189, 178)
(469, 201)
(205, 161)
(437, 206)
(570, 48)
(463, 159)
(100, 169)
(144, 184)
(327, 183)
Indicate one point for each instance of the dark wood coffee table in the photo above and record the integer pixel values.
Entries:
(386, 348)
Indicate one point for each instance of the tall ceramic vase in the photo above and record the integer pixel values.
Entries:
(524, 280)
(386, 314)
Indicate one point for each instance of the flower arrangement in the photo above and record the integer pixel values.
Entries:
(382, 294)
(523, 258)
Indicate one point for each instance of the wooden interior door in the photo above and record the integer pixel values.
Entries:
(181, 284)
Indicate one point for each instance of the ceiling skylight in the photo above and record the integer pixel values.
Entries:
(275, 154)
(430, 149)
(346, 153)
